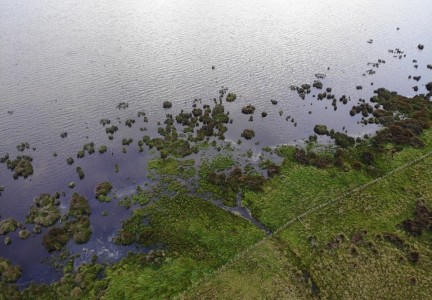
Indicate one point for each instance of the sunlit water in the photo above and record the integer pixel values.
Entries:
(64, 65)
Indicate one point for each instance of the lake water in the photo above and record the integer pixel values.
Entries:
(64, 65)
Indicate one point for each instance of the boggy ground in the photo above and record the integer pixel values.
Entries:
(356, 247)
(367, 231)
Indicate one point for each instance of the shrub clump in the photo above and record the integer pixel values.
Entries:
(89, 147)
(422, 220)
(342, 140)
(321, 129)
(55, 239)
(24, 234)
(9, 272)
(80, 172)
(44, 211)
(231, 97)
(248, 134)
(8, 225)
(79, 206)
(248, 109)
(167, 104)
(111, 129)
(122, 105)
(313, 159)
(235, 182)
(129, 122)
(127, 141)
(105, 121)
(317, 84)
(23, 146)
(22, 166)
(102, 149)
(81, 153)
(102, 190)
(79, 229)
(273, 170)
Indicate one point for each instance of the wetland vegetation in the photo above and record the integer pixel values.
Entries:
(190, 198)
(180, 215)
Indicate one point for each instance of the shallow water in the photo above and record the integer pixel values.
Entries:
(65, 65)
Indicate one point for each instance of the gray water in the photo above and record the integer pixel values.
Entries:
(64, 65)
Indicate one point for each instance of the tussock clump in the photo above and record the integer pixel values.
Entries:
(321, 129)
(8, 225)
(248, 109)
(248, 134)
(56, 239)
(102, 190)
(44, 211)
(166, 104)
(22, 166)
(231, 97)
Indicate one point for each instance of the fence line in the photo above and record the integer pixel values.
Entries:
(241, 254)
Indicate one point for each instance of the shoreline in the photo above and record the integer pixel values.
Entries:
(311, 158)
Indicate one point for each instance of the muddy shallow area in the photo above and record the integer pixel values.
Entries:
(66, 66)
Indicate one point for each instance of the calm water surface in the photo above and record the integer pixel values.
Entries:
(64, 65)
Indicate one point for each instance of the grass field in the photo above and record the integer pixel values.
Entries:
(353, 248)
